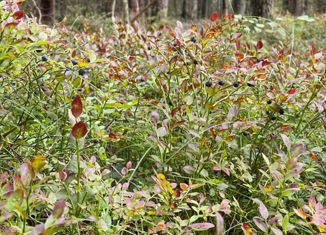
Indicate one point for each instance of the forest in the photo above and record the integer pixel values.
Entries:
(176, 117)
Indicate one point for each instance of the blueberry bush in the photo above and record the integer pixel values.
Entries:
(211, 128)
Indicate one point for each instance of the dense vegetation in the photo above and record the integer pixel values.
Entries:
(214, 128)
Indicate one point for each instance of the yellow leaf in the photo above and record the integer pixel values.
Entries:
(282, 97)
(160, 176)
(322, 228)
(38, 163)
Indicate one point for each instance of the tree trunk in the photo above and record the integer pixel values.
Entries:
(291, 6)
(299, 7)
(223, 7)
(194, 14)
(162, 9)
(239, 6)
(285, 6)
(61, 9)
(262, 8)
(134, 8)
(186, 9)
(203, 8)
(48, 11)
(321, 6)
(125, 10)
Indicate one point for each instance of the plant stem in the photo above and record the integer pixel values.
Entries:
(313, 95)
(27, 205)
(78, 176)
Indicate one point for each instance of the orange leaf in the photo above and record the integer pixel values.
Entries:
(76, 106)
(184, 187)
(246, 229)
(313, 156)
(268, 188)
(79, 130)
(239, 55)
(300, 213)
(284, 127)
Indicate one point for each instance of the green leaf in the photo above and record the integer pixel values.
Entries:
(102, 153)
(285, 222)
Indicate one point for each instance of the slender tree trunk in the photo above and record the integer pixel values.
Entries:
(62, 9)
(113, 10)
(134, 8)
(162, 9)
(203, 8)
(299, 7)
(186, 9)
(291, 6)
(48, 11)
(194, 9)
(321, 6)
(239, 6)
(223, 7)
(285, 6)
(262, 8)
(125, 10)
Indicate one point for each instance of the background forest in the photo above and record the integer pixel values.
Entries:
(162, 117)
(151, 10)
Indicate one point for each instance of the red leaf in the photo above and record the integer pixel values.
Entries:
(76, 106)
(237, 45)
(259, 45)
(11, 24)
(18, 14)
(113, 136)
(292, 91)
(313, 50)
(239, 56)
(79, 130)
(214, 16)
